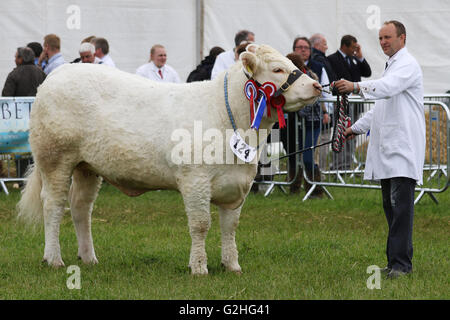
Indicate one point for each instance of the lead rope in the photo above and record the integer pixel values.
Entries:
(342, 122)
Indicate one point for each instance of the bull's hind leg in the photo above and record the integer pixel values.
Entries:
(82, 195)
(55, 187)
(229, 220)
(197, 203)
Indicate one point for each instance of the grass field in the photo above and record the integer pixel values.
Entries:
(288, 249)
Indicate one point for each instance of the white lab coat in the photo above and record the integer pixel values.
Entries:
(397, 121)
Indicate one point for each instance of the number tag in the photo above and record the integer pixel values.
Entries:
(241, 149)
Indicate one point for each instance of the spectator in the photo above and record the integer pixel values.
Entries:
(86, 40)
(319, 49)
(396, 151)
(157, 69)
(37, 49)
(348, 63)
(25, 78)
(51, 54)
(203, 70)
(313, 116)
(227, 59)
(302, 46)
(87, 53)
(102, 51)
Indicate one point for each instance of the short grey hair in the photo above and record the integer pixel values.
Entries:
(86, 46)
(26, 54)
(316, 38)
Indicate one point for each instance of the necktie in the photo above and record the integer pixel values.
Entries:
(385, 67)
(348, 60)
(160, 73)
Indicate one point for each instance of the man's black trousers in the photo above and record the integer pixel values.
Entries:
(398, 205)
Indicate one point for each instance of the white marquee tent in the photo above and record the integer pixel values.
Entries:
(189, 28)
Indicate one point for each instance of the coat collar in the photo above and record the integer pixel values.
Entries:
(400, 53)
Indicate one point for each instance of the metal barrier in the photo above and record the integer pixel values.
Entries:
(346, 169)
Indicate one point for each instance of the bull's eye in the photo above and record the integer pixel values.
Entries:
(278, 70)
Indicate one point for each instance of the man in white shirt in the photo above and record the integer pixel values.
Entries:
(51, 53)
(157, 69)
(227, 59)
(396, 151)
(102, 51)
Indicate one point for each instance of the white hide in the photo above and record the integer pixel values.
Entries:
(89, 121)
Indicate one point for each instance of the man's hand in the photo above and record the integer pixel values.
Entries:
(42, 57)
(326, 118)
(344, 86)
(348, 133)
(358, 52)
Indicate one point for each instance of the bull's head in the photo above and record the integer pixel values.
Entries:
(264, 64)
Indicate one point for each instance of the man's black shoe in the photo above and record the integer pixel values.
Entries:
(394, 274)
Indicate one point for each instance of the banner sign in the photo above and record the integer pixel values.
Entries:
(14, 124)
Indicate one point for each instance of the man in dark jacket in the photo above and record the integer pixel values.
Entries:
(348, 62)
(319, 48)
(25, 78)
(203, 70)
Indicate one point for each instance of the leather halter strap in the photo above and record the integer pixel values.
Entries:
(294, 75)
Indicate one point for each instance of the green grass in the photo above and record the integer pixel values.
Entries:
(288, 249)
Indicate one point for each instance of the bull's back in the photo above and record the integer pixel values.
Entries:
(118, 123)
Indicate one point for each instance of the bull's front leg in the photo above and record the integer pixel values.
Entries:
(197, 204)
(229, 220)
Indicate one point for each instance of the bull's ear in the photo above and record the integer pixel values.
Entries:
(252, 47)
(249, 61)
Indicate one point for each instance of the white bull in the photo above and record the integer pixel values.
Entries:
(90, 122)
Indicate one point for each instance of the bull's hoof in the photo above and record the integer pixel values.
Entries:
(88, 260)
(56, 263)
(236, 268)
(199, 270)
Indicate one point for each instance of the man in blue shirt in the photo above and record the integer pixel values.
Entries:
(51, 53)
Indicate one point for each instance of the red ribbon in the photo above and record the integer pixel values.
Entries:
(276, 102)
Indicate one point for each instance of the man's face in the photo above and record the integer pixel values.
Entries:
(87, 57)
(98, 52)
(322, 45)
(389, 41)
(302, 47)
(251, 37)
(350, 50)
(159, 57)
(18, 60)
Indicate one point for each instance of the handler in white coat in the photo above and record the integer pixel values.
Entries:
(396, 151)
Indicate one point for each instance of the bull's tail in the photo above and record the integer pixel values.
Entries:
(29, 207)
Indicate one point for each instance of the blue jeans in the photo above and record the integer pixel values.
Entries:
(312, 132)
